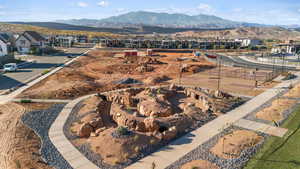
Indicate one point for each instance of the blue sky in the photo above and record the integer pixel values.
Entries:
(258, 11)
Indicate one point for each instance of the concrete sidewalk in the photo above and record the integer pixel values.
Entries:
(264, 128)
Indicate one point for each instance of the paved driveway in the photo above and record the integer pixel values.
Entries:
(29, 71)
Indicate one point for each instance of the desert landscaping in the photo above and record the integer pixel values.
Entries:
(144, 118)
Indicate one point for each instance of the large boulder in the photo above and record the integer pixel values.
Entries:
(169, 134)
(96, 123)
(151, 124)
(124, 117)
(154, 108)
(181, 121)
(194, 112)
(85, 130)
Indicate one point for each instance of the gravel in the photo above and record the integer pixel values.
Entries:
(202, 153)
(40, 122)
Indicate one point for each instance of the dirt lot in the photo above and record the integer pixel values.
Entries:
(100, 70)
(19, 145)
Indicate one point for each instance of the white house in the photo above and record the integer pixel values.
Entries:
(29, 40)
(286, 48)
(3, 47)
(249, 42)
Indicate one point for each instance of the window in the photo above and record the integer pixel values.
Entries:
(23, 42)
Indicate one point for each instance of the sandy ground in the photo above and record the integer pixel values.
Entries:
(231, 145)
(99, 70)
(231, 85)
(199, 164)
(295, 92)
(19, 145)
(274, 112)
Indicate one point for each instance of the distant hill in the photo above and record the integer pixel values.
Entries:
(162, 20)
(21, 27)
(277, 33)
(121, 30)
(62, 26)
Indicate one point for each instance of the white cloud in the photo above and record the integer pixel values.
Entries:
(103, 3)
(205, 8)
(82, 4)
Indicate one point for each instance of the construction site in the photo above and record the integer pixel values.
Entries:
(138, 102)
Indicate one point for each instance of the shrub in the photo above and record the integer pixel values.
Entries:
(122, 130)
(26, 101)
(45, 72)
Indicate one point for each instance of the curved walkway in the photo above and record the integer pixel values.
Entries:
(175, 150)
(63, 145)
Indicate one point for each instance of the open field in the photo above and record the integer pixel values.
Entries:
(101, 71)
(280, 153)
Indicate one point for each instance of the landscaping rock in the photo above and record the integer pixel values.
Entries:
(151, 124)
(170, 134)
(85, 130)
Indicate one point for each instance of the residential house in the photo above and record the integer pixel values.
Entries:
(3, 47)
(5, 51)
(30, 40)
(249, 42)
(61, 41)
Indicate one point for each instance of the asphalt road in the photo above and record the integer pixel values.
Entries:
(29, 71)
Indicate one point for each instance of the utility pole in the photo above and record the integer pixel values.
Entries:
(180, 72)
(282, 67)
(219, 72)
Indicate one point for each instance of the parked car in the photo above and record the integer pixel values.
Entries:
(10, 67)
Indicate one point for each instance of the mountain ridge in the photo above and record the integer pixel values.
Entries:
(162, 19)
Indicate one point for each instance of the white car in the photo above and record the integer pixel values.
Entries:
(10, 67)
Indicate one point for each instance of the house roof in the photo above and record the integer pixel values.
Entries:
(1, 39)
(4, 37)
(36, 36)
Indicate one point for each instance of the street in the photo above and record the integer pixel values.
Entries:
(31, 70)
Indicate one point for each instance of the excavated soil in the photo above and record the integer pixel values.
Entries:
(20, 145)
(274, 112)
(199, 164)
(231, 145)
(99, 71)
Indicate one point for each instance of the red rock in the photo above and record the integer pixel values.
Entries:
(85, 130)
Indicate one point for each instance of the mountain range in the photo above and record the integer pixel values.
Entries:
(134, 19)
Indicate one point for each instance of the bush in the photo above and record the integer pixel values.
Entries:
(45, 72)
(26, 101)
(123, 131)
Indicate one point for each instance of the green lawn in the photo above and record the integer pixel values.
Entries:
(280, 153)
